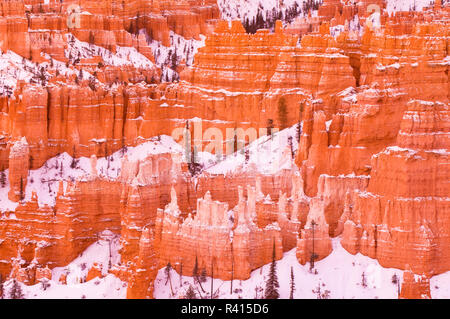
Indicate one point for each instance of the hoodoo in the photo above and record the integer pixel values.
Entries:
(183, 149)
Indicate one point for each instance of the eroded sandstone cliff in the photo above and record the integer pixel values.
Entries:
(369, 94)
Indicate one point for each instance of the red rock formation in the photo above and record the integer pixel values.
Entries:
(42, 28)
(19, 160)
(141, 280)
(94, 272)
(227, 243)
(415, 286)
(54, 236)
(14, 28)
(303, 25)
(370, 164)
(148, 187)
(43, 273)
(314, 242)
(401, 218)
(353, 135)
(63, 279)
(390, 76)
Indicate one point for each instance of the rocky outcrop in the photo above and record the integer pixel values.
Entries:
(19, 162)
(401, 218)
(54, 236)
(143, 274)
(382, 116)
(314, 243)
(227, 244)
(94, 272)
(108, 23)
(415, 286)
(371, 159)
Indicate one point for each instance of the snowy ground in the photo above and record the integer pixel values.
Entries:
(238, 9)
(242, 9)
(440, 286)
(267, 154)
(77, 49)
(167, 58)
(104, 252)
(340, 275)
(13, 68)
(406, 5)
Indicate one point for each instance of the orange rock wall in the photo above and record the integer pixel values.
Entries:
(54, 236)
(402, 219)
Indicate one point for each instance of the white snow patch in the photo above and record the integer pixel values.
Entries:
(268, 154)
(406, 5)
(340, 273)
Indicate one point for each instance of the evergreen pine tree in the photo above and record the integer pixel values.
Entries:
(21, 190)
(1, 287)
(291, 296)
(313, 256)
(298, 131)
(16, 291)
(3, 178)
(363, 280)
(203, 275)
(282, 113)
(272, 284)
(195, 274)
(190, 293)
(174, 61)
(181, 274)
(45, 283)
(291, 146)
(73, 164)
(269, 127)
(167, 272)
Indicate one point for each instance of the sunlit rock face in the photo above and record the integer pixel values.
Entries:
(415, 286)
(368, 162)
(401, 218)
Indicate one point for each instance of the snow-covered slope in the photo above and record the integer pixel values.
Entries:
(267, 154)
(341, 274)
(168, 58)
(13, 67)
(406, 5)
(45, 180)
(77, 49)
(104, 252)
(241, 9)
